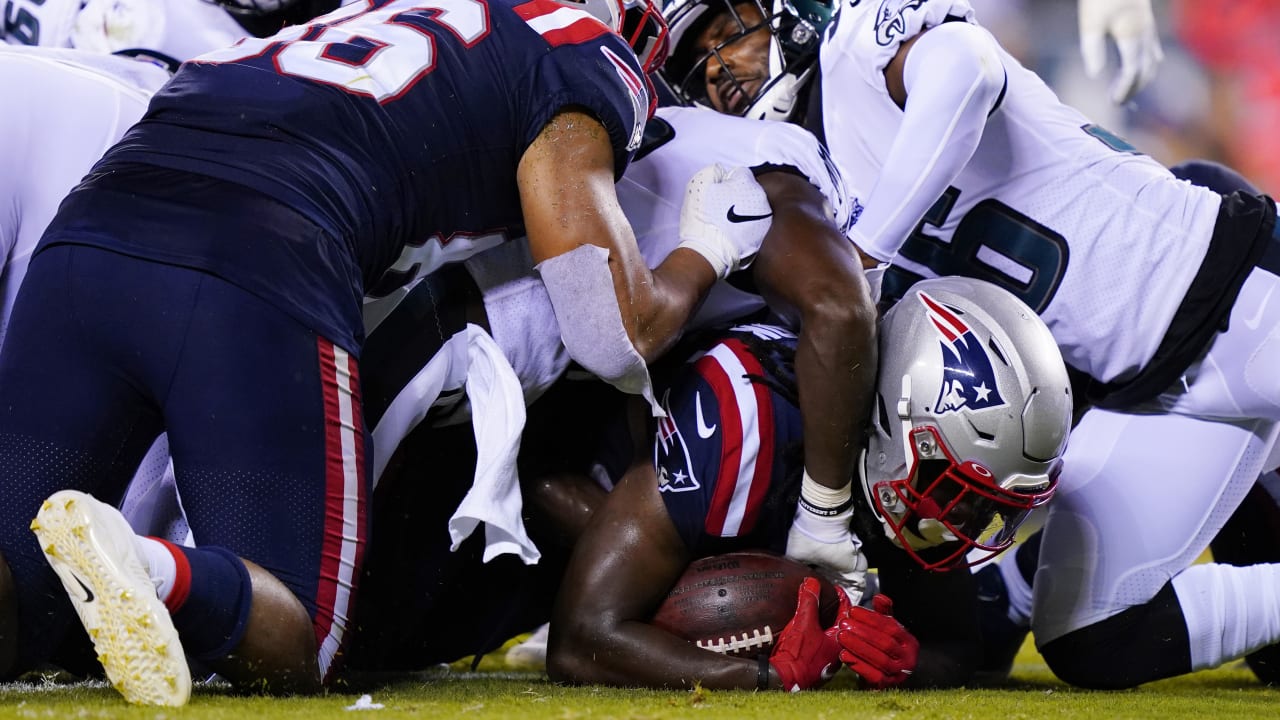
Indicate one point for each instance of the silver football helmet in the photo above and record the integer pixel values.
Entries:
(639, 22)
(795, 29)
(973, 412)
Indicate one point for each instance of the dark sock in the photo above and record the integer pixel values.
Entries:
(212, 618)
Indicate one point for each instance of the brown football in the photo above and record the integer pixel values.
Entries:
(737, 603)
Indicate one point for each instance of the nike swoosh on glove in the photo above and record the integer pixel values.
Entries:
(806, 656)
(725, 217)
(1132, 25)
(876, 646)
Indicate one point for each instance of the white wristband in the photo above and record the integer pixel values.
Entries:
(818, 494)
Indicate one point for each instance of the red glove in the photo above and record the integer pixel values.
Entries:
(876, 646)
(806, 655)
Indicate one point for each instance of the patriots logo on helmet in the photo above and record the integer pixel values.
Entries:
(671, 455)
(968, 381)
(890, 21)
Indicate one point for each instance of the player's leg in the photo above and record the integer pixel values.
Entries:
(1117, 601)
(268, 441)
(73, 414)
(1252, 536)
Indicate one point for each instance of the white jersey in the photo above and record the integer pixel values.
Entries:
(1102, 241)
(174, 30)
(76, 106)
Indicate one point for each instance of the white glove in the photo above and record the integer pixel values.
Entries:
(724, 217)
(1133, 26)
(820, 535)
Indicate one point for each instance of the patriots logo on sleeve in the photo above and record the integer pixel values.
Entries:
(968, 380)
(638, 93)
(891, 22)
(671, 454)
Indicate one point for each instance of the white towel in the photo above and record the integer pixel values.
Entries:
(497, 415)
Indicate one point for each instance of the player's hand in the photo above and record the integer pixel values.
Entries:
(820, 536)
(724, 217)
(876, 646)
(1133, 27)
(806, 655)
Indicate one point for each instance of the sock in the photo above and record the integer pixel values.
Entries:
(170, 572)
(212, 618)
(1229, 611)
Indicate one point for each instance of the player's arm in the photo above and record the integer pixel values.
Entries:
(940, 610)
(1132, 24)
(566, 181)
(808, 269)
(623, 566)
(947, 80)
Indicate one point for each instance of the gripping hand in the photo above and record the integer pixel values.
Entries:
(724, 217)
(1133, 27)
(820, 536)
(806, 655)
(876, 646)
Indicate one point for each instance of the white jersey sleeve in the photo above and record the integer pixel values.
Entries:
(652, 189)
(77, 106)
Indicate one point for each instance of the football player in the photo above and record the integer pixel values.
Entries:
(806, 268)
(721, 473)
(1159, 293)
(420, 355)
(211, 267)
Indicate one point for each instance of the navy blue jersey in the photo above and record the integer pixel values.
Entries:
(394, 126)
(728, 455)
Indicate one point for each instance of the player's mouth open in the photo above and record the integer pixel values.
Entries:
(735, 97)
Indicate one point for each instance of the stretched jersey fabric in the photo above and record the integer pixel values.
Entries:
(393, 128)
(76, 105)
(1064, 214)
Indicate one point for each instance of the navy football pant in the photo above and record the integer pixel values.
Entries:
(263, 415)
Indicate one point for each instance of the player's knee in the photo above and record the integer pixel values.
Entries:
(1080, 660)
(1143, 643)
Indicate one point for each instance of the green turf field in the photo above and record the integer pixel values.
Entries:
(1230, 692)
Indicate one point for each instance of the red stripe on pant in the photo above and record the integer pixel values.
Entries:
(342, 550)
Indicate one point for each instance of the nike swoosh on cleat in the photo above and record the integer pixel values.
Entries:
(88, 594)
(736, 218)
(704, 432)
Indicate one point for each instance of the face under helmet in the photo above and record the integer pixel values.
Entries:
(795, 29)
(973, 412)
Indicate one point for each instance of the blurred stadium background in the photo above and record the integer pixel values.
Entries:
(1216, 95)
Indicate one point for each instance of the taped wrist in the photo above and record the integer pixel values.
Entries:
(823, 514)
(822, 500)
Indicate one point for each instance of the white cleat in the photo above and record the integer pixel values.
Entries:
(532, 653)
(91, 548)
